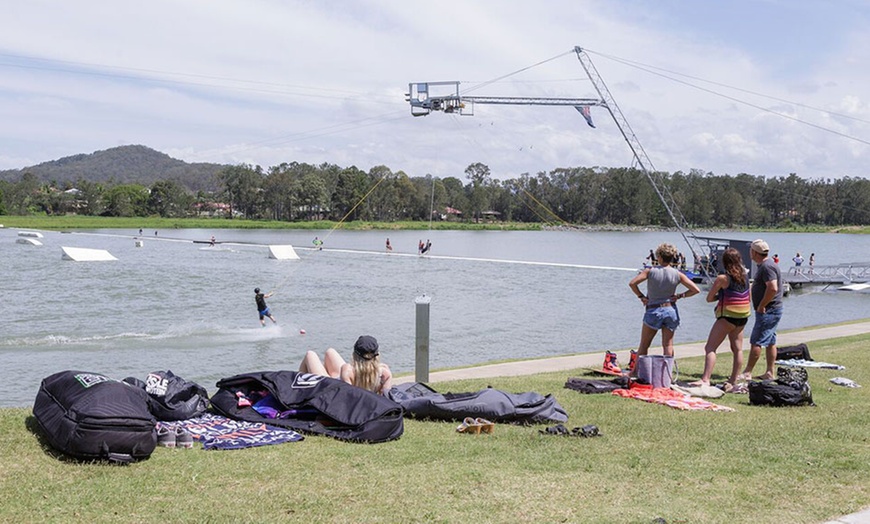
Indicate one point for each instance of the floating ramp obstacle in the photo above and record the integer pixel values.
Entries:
(29, 241)
(283, 253)
(81, 254)
(30, 234)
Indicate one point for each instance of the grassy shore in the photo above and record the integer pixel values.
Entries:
(759, 464)
(61, 223)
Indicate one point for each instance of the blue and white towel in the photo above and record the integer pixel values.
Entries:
(217, 432)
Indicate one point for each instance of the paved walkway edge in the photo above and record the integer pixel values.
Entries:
(595, 360)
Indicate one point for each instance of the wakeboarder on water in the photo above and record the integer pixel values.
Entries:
(262, 308)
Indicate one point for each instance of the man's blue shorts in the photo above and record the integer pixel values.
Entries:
(659, 317)
(764, 330)
(264, 313)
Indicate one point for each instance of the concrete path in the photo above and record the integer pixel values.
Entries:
(595, 360)
(862, 517)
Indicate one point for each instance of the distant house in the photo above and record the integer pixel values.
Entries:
(450, 213)
(213, 209)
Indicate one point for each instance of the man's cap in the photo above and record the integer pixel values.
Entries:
(366, 347)
(760, 247)
(256, 290)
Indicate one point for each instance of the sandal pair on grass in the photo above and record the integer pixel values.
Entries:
(586, 431)
(476, 426)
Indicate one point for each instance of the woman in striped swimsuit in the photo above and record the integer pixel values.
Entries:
(730, 291)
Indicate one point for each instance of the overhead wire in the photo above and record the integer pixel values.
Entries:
(733, 99)
(721, 84)
(340, 222)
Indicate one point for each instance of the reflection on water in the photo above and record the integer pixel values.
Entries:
(173, 304)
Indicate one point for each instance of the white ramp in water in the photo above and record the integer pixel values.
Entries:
(29, 241)
(855, 287)
(283, 252)
(81, 254)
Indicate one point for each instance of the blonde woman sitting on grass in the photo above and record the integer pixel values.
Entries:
(365, 370)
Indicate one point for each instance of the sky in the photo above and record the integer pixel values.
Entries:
(765, 87)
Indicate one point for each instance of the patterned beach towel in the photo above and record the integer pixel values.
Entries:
(217, 432)
(670, 398)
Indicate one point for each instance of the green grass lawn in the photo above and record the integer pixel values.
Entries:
(757, 464)
(65, 222)
(149, 224)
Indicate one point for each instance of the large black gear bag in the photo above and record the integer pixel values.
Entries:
(791, 388)
(92, 417)
(172, 397)
(325, 406)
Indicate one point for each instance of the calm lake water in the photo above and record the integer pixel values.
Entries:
(187, 307)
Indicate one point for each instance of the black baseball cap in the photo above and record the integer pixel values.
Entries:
(256, 290)
(366, 347)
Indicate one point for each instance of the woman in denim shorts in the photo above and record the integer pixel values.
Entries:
(660, 301)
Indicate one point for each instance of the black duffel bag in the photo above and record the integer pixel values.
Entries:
(90, 416)
(322, 405)
(790, 388)
(172, 397)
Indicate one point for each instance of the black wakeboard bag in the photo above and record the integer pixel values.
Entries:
(421, 401)
(322, 405)
(92, 417)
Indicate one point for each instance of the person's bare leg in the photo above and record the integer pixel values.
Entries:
(333, 362)
(717, 334)
(647, 334)
(667, 342)
(770, 355)
(754, 354)
(312, 364)
(736, 339)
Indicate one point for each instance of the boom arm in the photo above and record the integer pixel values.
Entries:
(426, 97)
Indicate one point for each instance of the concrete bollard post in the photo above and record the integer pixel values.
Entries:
(421, 358)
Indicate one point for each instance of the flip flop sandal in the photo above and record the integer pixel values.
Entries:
(586, 431)
(485, 425)
(469, 425)
(558, 429)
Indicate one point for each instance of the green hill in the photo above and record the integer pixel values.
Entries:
(123, 165)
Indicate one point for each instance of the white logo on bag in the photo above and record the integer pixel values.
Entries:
(306, 380)
(156, 385)
(91, 379)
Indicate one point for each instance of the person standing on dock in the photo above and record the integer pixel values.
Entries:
(389, 246)
(798, 260)
(767, 300)
(812, 261)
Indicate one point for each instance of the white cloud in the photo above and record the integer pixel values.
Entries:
(265, 82)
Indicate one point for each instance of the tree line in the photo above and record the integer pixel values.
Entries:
(580, 195)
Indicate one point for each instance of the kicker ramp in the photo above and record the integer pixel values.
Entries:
(283, 253)
(81, 254)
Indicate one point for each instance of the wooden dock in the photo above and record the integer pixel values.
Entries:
(857, 272)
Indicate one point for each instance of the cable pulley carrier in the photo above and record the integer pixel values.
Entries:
(426, 97)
